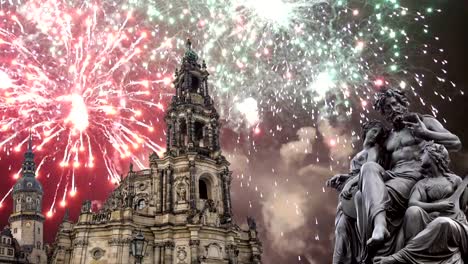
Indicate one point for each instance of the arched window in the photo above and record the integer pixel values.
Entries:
(18, 205)
(141, 204)
(204, 189)
(183, 131)
(199, 133)
(38, 245)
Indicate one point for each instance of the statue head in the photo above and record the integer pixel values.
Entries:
(393, 104)
(435, 160)
(373, 132)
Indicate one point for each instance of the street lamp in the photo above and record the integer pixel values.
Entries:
(138, 247)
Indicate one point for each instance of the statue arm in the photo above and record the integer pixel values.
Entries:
(373, 153)
(436, 132)
(464, 200)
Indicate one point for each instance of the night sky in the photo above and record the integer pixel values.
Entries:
(295, 216)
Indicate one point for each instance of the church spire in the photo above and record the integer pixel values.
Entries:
(29, 166)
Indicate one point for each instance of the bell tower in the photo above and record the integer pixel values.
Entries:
(193, 133)
(27, 220)
(192, 120)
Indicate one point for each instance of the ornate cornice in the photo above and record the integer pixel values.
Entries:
(35, 217)
(119, 241)
(80, 243)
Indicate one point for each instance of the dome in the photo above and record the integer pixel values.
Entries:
(27, 184)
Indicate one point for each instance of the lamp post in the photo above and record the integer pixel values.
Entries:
(138, 247)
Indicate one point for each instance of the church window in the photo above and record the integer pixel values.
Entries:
(38, 244)
(2, 251)
(15, 230)
(203, 188)
(3, 240)
(28, 199)
(10, 252)
(97, 253)
(141, 204)
(38, 230)
(199, 127)
(183, 132)
(29, 184)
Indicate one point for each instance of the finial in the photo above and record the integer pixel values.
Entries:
(66, 215)
(30, 141)
(188, 44)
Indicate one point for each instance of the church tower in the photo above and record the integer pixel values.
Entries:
(193, 134)
(181, 204)
(27, 220)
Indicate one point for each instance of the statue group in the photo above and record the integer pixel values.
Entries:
(400, 202)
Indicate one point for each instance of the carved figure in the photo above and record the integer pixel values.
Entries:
(384, 189)
(86, 206)
(252, 223)
(181, 193)
(373, 135)
(436, 214)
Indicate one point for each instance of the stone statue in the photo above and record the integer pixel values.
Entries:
(181, 193)
(373, 135)
(436, 213)
(86, 207)
(251, 222)
(384, 188)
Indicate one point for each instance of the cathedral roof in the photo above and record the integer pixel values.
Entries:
(27, 184)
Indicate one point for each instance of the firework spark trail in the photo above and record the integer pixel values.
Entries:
(65, 94)
(89, 75)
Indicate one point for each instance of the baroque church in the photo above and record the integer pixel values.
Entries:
(180, 207)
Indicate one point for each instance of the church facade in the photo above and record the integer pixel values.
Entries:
(181, 204)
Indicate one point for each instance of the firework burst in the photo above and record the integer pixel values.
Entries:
(90, 78)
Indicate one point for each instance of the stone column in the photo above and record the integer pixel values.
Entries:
(169, 136)
(168, 252)
(210, 136)
(194, 245)
(175, 134)
(161, 191)
(206, 87)
(192, 169)
(80, 245)
(190, 128)
(192, 132)
(157, 253)
(180, 140)
(170, 183)
(215, 132)
(202, 141)
(232, 253)
(226, 178)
